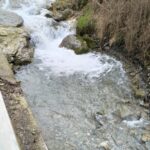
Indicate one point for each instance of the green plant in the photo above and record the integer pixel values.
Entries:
(85, 23)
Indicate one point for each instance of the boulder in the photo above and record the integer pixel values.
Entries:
(61, 15)
(15, 44)
(12, 3)
(5, 69)
(10, 19)
(145, 137)
(75, 43)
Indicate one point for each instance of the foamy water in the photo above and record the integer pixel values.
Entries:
(47, 40)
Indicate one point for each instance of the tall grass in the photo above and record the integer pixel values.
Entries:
(126, 22)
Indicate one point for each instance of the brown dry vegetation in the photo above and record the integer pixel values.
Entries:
(127, 23)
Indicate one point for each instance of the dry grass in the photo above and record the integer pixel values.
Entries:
(124, 22)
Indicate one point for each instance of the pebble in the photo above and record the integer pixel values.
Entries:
(105, 145)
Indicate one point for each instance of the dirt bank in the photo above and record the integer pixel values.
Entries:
(21, 116)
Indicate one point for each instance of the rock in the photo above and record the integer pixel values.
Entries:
(145, 137)
(101, 119)
(57, 17)
(48, 14)
(5, 69)
(14, 42)
(63, 15)
(12, 3)
(129, 112)
(10, 19)
(75, 43)
(139, 93)
(105, 145)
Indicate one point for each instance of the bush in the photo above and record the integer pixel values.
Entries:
(85, 24)
(126, 21)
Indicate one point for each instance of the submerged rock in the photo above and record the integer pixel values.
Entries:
(10, 19)
(75, 43)
(14, 42)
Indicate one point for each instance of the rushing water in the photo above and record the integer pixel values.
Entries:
(78, 100)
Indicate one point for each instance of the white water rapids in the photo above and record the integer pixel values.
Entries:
(47, 40)
(66, 91)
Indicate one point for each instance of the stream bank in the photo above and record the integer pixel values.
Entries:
(26, 129)
(15, 50)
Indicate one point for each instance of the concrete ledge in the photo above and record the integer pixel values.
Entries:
(8, 139)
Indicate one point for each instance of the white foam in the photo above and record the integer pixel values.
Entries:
(6, 4)
(136, 123)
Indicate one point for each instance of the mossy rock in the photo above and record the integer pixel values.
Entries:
(92, 43)
(75, 43)
(63, 15)
(85, 23)
(83, 48)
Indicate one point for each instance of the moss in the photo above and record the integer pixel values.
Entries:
(85, 24)
(84, 47)
(92, 43)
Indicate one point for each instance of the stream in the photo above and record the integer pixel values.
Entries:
(81, 102)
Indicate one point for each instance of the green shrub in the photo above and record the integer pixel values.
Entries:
(85, 23)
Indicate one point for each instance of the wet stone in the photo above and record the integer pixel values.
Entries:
(146, 137)
(10, 19)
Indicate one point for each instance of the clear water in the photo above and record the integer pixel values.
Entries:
(65, 90)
